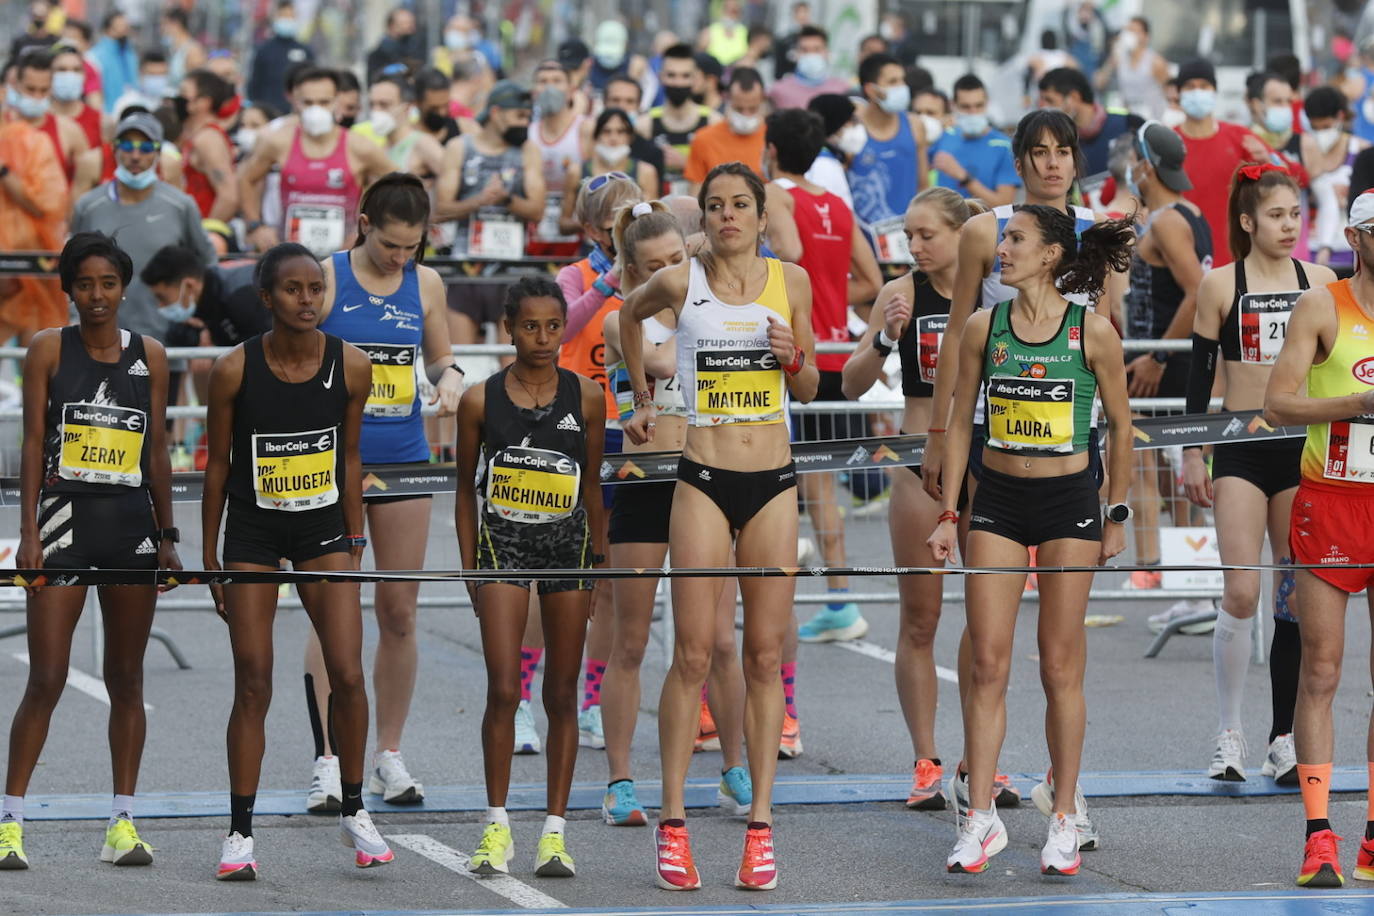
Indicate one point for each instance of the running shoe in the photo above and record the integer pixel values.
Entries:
(620, 806)
(1281, 763)
(494, 852)
(551, 859)
(708, 736)
(1145, 579)
(358, 831)
(326, 791)
(236, 862)
(1032, 579)
(1043, 797)
(1185, 608)
(736, 791)
(830, 625)
(123, 846)
(790, 744)
(925, 787)
(676, 871)
(12, 856)
(589, 733)
(1004, 793)
(1228, 760)
(981, 836)
(1060, 855)
(1321, 861)
(957, 792)
(392, 781)
(526, 737)
(758, 870)
(1364, 862)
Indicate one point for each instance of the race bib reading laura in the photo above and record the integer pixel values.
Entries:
(738, 386)
(1030, 414)
(102, 444)
(293, 472)
(532, 484)
(1350, 450)
(393, 380)
(1263, 323)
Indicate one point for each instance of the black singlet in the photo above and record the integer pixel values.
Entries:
(919, 346)
(532, 460)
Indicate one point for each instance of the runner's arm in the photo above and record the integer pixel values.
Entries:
(358, 376)
(804, 384)
(783, 236)
(446, 205)
(530, 207)
(865, 366)
(594, 418)
(159, 459)
(226, 376)
(1107, 361)
(470, 414)
(1311, 327)
(865, 277)
(39, 364)
(960, 432)
(218, 166)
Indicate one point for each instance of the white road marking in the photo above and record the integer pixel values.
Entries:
(91, 686)
(514, 890)
(873, 650)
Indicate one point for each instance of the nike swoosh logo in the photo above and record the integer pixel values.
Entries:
(351, 308)
(329, 382)
(154, 217)
(331, 540)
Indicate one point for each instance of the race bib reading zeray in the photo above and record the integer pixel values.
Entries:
(1263, 325)
(102, 444)
(393, 380)
(293, 472)
(532, 484)
(741, 385)
(1033, 414)
(1350, 450)
(318, 227)
(930, 330)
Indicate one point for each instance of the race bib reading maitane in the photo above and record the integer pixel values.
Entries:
(294, 472)
(738, 386)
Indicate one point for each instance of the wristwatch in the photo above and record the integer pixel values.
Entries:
(356, 540)
(1119, 513)
(169, 534)
(884, 349)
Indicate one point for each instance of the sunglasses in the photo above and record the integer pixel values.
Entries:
(599, 182)
(137, 146)
(1365, 228)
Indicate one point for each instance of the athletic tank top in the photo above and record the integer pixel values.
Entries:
(49, 127)
(585, 353)
(825, 225)
(883, 176)
(197, 182)
(96, 432)
(680, 140)
(1039, 396)
(319, 198)
(1140, 91)
(1253, 330)
(727, 44)
(559, 153)
(399, 153)
(92, 125)
(471, 236)
(287, 451)
(533, 460)
(727, 368)
(389, 329)
(994, 290)
(919, 345)
(1341, 453)
(667, 392)
(1161, 299)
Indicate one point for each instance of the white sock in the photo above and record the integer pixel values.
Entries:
(498, 816)
(13, 809)
(122, 807)
(555, 824)
(1231, 656)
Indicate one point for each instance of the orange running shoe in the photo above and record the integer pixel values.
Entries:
(1144, 578)
(1364, 862)
(676, 871)
(1321, 861)
(1004, 793)
(926, 794)
(708, 736)
(1032, 580)
(790, 745)
(757, 870)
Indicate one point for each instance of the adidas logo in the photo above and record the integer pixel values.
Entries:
(146, 547)
(569, 423)
(138, 368)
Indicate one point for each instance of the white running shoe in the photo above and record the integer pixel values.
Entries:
(981, 837)
(326, 791)
(1228, 761)
(589, 733)
(1060, 855)
(1043, 796)
(359, 834)
(392, 781)
(1185, 608)
(526, 736)
(957, 784)
(1281, 763)
(236, 862)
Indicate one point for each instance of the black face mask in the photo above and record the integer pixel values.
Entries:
(348, 121)
(434, 121)
(676, 95)
(699, 97)
(515, 136)
(182, 107)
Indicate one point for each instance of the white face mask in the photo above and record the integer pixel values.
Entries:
(246, 138)
(851, 139)
(1172, 117)
(1128, 41)
(934, 128)
(1327, 139)
(316, 120)
(612, 154)
(742, 124)
(383, 122)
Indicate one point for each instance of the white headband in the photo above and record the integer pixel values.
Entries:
(641, 209)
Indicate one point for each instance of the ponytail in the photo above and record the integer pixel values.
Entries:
(634, 223)
(1082, 270)
(397, 197)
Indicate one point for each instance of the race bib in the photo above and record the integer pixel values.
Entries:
(1030, 414)
(102, 444)
(293, 472)
(318, 227)
(890, 238)
(1350, 450)
(738, 386)
(1263, 322)
(930, 331)
(532, 484)
(393, 380)
(496, 236)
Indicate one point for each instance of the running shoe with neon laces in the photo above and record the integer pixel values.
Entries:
(236, 862)
(12, 856)
(758, 870)
(620, 806)
(326, 791)
(981, 836)
(589, 733)
(1228, 760)
(736, 791)
(1060, 855)
(834, 625)
(1364, 862)
(925, 787)
(551, 859)
(494, 852)
(676, 871)
(708, 736)
(526, 736)
(1321, 861)
(1032, 579)
(1281, 763)
(392, 781)
(1043, 797)
(358, 831)
(123, 846)
(790, 744)
(1004, 793)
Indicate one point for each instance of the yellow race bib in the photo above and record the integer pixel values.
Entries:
(294, 472)
(102, 444)
(532, 484)
(1030, 413)
(393, 380)
(738, 386)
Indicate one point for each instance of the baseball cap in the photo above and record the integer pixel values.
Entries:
(1165, 151)
(708, 65)
(142, 122)
(507, 94)
(1362, 209)
(1197, 69)
(573, 52)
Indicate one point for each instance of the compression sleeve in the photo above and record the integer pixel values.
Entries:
(1202, 371)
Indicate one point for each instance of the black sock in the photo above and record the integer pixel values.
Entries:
(312, 710)
(352, 798)
(241, 814)
(933, 760)
(759, 825)
(673, 822)
(1318, 824)
(1369, 830)
(1285, 655)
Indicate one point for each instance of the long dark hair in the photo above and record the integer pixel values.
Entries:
(1246, 195)
(1060, 126)
(1104, 246)
(398, 197)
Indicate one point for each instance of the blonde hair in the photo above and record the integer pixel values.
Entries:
(952, 206)
(637, 222)
(593, 208)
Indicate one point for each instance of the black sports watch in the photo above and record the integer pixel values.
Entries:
(883, 349)
(1119, 513)
(169, 534)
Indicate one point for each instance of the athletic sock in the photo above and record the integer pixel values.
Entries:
(595, 669)
(241, 814)
(498, 816)
(1285, 656)
(529, 664)
(122, 808)
(1231, 658)
(312, 709)
(352, 801)
(1369, 830)
(12, 809)
(673, 822)
(555, 824)
(1317, 825)
(789, 686)
(840, 597)
(1369, 802)
(1315, 781)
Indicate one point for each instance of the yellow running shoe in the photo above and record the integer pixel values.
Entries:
(494, 853)
(12, 846)
(123, 846)
(552, 859)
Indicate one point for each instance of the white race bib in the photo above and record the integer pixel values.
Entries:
(1263, 323)
(890, 238)
(497, 236)
(318, 227)
(1350, 450)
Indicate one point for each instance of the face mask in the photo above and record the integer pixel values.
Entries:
(182, 107)
(383, 123)
(316, 120)
(812, 67)
(136, 182)
(434, 121)
(1198, 103)
(286, 28)
(852, 139)
(1172, 118)
(611, 154)
(348, 121)
(515, 136)
(934, 127)
(607, 62)
(896, 100)
(1128, 41)
(29, 108)
(68, 86)
(455, 40)
(742, 124)
(551, 100)
(246, 138)
(154, 85)
(1278, 120)
(677, 95)
(1327, 139)
(971, 125)
(1130, 181)
(178, 311)
(888, 31)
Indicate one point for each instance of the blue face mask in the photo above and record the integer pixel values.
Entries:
(896, 100)
(154, 85)
(1130, 181)
(67, 86)
(813, 67)
(286, 28)
(1198, 103)
(178, 311)
(29, 108)
(972, 125)
(136, 181)
(1278, 119)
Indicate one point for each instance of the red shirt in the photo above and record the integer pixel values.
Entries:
(826, 227)
(49, 127)
(89, 119)
(197, 182)
(1210, 163)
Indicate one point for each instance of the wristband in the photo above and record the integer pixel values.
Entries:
(604, 288)
(887, 341)
(356, 540)
(935, 429)
(798, 362)
(948, 515)
(643, 398)
(454, 367)
(881, 345)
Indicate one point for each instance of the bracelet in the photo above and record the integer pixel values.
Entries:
(643, 398)
(948, 515)
(356, 540)
(887, 341)
(798, 362)
(604, 288)
(936, 429)
(455, 367)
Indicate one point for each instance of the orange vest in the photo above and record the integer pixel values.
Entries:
(585, 354)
